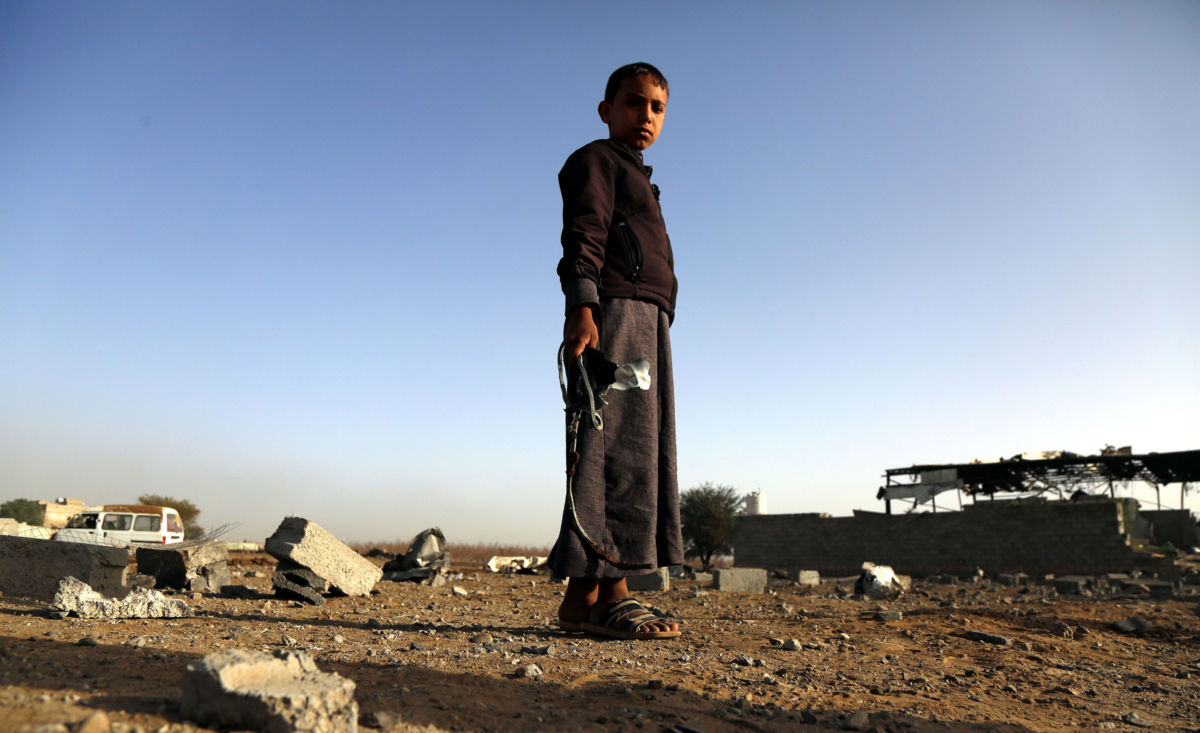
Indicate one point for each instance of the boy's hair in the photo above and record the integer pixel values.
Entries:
(630, 70)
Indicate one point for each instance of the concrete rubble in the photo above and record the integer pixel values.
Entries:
(740, 580)
(203, 567)
(881, 581)
(280, 693)
(426, 559)
(32, 567)
(306, 544)
(78, 598)
(514, 564)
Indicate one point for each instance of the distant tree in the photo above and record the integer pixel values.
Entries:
(187, 512)
(707, 513)
(23, 510)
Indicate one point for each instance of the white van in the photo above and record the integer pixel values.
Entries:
(124, 524)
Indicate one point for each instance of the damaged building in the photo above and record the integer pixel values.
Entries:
(1043, 513)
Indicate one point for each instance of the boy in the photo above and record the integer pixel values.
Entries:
(617, 273)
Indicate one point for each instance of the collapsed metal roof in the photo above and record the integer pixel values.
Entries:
(1063, 472)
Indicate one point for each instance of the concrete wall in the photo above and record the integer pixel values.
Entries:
(1066, 538)
(1175, 526)
(32, 567)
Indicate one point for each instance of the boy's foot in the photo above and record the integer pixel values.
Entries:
(628, 619)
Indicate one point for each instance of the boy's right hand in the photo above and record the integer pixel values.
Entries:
(580, 331)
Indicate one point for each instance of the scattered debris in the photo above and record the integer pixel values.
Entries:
(880, 581)
(306, 544)
(514, 564)
(202, 567)
(235, 688)
(75, 596)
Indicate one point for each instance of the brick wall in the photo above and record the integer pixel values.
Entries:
(1079, 538)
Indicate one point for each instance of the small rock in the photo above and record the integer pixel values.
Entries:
(743, 660)
(530, 671)
(87, 641)
(137, 642)
(791, 645)
(482, 638)
(1063, 630)
(381, 719)
(989, 638)
(374, 623)
(1136, 720)
(459, 591)
(97, 722)
(544, 651)
(339, 639)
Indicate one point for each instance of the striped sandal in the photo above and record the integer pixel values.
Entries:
(623, 619)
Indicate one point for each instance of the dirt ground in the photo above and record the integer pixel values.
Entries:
(436, 658)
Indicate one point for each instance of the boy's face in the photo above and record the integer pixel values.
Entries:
(637, 111)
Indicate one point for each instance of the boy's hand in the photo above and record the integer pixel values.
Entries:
(580, 331)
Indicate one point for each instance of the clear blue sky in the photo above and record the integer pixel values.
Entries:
(293, 257)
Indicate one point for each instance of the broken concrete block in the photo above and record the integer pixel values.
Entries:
(203, 567)
(32, 567)
(307, 544)
(295, 581)
(808, 577)
(658, 580)
(252, 690)
(741, 580)
(75, 596)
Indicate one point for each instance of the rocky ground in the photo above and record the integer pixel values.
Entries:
(480, 653)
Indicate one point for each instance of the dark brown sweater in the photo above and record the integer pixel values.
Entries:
(614, 240)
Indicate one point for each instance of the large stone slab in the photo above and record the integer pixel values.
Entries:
(307, 544)
(741, 580)
(252, 690)
(658, 580)
(203, 567)
(32, 567)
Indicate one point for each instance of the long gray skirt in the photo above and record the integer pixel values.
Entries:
(626, 485)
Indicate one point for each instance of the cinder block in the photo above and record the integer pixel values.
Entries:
(307, 544)
(658, 580)
(741, 580)
(33, 567)
(808, 577)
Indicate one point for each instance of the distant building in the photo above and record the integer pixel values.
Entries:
(59, 511)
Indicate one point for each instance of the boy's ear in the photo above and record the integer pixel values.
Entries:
(605, 109)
